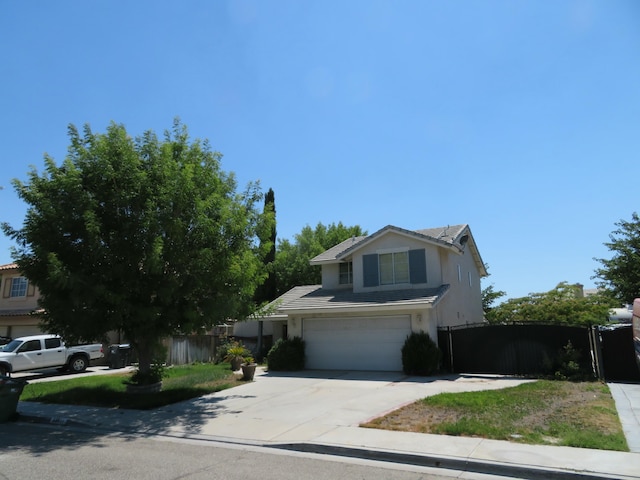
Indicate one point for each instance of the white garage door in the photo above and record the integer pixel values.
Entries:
(25, 331)
(367, 343)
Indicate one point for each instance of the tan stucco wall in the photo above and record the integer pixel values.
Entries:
(250, 328)
(331, 277)
(12, 324)
(463, 303)
(29, 302)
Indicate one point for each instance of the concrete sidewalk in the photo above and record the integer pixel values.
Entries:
(320, 412)
(627, 398)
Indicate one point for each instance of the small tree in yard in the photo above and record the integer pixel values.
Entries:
(145, 236)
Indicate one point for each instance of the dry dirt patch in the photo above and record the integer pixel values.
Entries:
(544, 412)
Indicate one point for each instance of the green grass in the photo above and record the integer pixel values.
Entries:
(180, 383)
(543, 412)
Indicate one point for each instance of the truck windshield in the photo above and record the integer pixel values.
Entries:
(11, 346)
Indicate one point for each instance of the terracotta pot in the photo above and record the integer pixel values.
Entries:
(248, 371)
(235, 363)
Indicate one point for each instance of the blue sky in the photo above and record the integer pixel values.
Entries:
(520, 118)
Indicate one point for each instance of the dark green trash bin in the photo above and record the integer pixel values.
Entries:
(10, 391)
(119, 355)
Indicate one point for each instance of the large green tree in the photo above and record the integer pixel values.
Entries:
(490, 295)
(564, 305)
(292, 259)
(620, 275)
(142, 235)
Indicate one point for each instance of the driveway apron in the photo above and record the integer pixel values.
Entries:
(302, 406)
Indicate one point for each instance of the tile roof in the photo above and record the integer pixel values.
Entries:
(444, 235)
(9, 266)
(335, 252)
(447, 234)
(313, 297)
(451, 236)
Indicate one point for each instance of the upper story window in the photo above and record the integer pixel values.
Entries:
(394, 268)
(18, 287)
(346, 273)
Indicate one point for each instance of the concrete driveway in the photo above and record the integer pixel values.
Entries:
(295, 407)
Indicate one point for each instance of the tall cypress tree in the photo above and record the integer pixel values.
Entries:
(267, 291)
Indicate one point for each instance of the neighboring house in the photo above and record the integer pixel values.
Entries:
(621, 315)
(18, 302)
(375, 291)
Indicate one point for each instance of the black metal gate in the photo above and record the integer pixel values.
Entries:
(618, 354)
(533, 349)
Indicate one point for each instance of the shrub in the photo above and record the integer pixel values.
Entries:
(230, 348)
(286, 354)
(420, 355)
(568, 365)
(154, 375)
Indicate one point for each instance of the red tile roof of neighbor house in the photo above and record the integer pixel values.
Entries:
(9, 266)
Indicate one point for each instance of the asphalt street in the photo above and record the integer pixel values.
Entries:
(38, 451)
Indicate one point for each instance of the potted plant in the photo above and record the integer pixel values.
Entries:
(235, 356)
(248, 368)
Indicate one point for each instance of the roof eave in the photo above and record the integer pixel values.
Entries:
(359, 308)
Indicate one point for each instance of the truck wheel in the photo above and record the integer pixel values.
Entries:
(78, 364)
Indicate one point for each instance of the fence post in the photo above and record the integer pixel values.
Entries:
(450, 340)
(596, 352)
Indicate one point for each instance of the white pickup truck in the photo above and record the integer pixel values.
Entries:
(46, 351)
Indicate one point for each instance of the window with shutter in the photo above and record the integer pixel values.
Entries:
(418, 265)
(395, 268)
(370, 270)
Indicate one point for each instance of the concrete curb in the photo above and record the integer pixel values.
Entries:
(420, 460)
(61, 421)
(458, 464)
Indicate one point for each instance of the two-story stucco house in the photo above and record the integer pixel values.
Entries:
(18, 302)
(379, 288)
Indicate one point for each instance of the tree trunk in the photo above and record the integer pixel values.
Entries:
(145, 356)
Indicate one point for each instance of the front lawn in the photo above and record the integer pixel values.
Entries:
(544, 412)
(180, 383)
